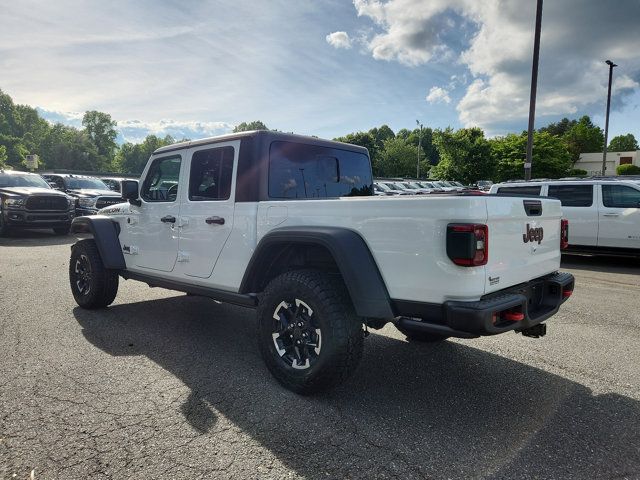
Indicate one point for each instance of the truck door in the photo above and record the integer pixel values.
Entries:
(152, 227)
(579, 207)
(208, 207)
(619, 216)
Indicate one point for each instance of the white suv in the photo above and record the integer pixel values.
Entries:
(604, 215)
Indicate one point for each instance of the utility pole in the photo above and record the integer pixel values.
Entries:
(606, 122)
(534, 89)
(419, 148)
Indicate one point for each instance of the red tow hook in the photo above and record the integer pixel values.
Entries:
(513, 316)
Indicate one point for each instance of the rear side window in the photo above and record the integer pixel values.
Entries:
(211, 174)
(572, 195)
(620, 196)
(529, 190)
(308, 171)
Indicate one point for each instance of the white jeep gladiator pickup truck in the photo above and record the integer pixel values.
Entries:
(289, 225)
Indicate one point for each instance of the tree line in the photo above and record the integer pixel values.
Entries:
(465, 154)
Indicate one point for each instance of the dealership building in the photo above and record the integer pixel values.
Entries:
(592, 162)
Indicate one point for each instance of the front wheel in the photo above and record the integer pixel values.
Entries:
(92, 285)
(62, 230)
(5, 230)
(309, 335)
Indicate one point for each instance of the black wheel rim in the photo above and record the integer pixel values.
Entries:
(83, 275)
(296, 335)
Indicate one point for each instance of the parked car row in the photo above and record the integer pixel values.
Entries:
(385, 187)
(29, 200)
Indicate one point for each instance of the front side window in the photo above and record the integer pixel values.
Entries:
(211, 174)
(309, 171)
(524, 191)
(620, 196)
(572, 195)
(161, 183)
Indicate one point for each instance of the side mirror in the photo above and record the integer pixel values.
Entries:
(54, 185)
(130, 192)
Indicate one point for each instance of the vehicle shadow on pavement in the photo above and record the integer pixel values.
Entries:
(602, 264)
(410, 411)
(36, 238)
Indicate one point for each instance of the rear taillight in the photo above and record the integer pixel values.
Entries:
(564, 234)
(468, 244)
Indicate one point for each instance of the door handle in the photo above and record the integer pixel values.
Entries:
(610, 214)
(168, 219)
(214, 220)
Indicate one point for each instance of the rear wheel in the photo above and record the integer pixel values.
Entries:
(309, 335)
(420, 336)
(92, 285)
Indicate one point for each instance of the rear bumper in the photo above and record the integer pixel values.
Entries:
(35, 219)
(517, 308)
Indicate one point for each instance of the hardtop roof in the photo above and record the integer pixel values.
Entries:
(291, 137)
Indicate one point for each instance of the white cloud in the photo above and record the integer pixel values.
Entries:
(493, 40)
(135, 131)
(438, 94)
(339, 40)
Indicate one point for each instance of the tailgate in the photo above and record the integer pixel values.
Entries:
(524, 240)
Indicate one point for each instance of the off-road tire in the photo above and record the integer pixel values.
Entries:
(5, 230)
(62, 230)
(332, 313)
(419, 336)
(100, 286)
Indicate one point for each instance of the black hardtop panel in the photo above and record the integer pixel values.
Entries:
(266, 136)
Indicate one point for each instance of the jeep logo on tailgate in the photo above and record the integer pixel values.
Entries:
(533, 234)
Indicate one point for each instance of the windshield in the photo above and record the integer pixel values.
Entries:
(75, 183)
(23, 181)
(428, 185)
(410, 186)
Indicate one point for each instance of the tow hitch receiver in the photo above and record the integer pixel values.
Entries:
(537, 331)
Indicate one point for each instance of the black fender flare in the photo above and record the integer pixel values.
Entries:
(105, 233)
(357, 266)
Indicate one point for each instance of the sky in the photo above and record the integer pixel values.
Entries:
(319, 67)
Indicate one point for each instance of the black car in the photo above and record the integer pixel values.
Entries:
(91, 193)
(28, 201)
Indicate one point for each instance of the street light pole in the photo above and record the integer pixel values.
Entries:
(606, 122)
(419, 148)
(534, 88)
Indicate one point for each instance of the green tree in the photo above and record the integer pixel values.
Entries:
(3, 156)
(560, 128)
(248, 126)
(583, 137)
(623, 143)
(398, 158)
(132, 158)
(551, 159)
(101, 130)
(465, 155)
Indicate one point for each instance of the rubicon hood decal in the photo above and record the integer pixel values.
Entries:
(533, 234)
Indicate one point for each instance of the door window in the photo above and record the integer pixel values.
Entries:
(211, 174)
(524, 191)
(620, 196)
(161, 183)
(572, 195)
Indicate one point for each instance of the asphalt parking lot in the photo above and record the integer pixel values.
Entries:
(162, 385)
